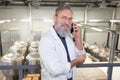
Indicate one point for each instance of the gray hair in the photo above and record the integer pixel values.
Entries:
(62, 7)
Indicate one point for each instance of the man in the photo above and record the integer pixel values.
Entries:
(58, 53)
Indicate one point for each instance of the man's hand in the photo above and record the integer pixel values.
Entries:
(79, 60)
(76, 33)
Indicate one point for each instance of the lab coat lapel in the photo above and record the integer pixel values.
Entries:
(59, 44)
(70, 47)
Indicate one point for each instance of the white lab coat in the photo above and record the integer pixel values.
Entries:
(53, 57)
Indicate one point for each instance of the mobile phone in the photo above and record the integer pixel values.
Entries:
(72, 28)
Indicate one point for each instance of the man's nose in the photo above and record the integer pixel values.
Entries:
(67, 21)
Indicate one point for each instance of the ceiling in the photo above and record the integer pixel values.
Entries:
(75, 3)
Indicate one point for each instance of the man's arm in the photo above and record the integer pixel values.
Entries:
(81, 58)
(77, 38)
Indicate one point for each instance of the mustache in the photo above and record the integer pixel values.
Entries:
(69, 26)
(66, 25)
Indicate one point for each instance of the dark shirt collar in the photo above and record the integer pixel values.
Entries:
(60, 36)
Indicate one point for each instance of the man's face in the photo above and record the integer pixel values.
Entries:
(63, 21)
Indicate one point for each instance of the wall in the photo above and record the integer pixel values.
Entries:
(36, 22)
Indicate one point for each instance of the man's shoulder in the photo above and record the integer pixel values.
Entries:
(47, 35)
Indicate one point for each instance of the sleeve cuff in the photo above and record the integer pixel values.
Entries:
(79, 52)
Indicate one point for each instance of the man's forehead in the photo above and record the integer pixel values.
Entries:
(65, 13)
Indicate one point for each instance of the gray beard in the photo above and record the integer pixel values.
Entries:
(61, 32)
